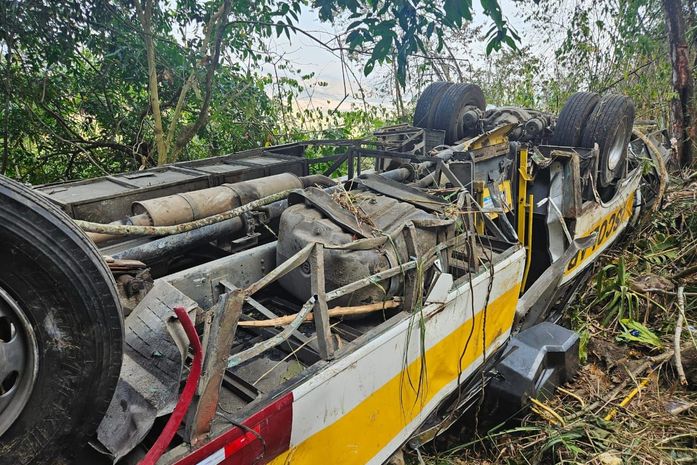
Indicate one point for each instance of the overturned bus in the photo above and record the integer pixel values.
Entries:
(314, 302)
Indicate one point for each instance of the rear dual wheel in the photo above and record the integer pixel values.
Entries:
(587, 119)
(61, 331)
(428, 102)
(610, 126)
(573, 117)
(443, 105)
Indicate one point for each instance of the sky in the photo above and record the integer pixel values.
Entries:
(310, 56)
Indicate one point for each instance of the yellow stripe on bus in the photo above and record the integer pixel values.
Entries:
(363, 432)
(606, 228)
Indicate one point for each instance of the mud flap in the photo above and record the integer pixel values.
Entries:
(537, 360)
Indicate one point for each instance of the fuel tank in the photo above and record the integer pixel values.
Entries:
(337, 221)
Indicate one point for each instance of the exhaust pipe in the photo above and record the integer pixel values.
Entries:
(192, 206)
(195, 205)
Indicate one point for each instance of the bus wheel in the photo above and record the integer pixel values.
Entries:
(428, 101)
(610, 126)
(572, 119)
(61, 331)
(457, 100)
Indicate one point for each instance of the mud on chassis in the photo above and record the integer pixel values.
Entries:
(443, 260)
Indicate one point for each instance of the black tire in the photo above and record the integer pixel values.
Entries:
(428, 101)
(610, 126)
(456, 100)
(65, 290)
(573, 117)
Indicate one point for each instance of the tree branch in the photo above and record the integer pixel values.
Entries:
(190, 131)
(188, 84)
(144, 11)
(81, 140)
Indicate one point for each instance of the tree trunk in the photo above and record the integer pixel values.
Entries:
(399, 103)
(145, 14)
(217, 32)
(220, 15)
(682, 125)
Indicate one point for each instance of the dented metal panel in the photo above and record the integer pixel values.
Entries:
(108, 198)
(148, 386)
(607, 220)
(365, 397)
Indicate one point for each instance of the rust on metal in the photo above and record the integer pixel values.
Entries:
(222, 329)
(320, 311)
(194, 205)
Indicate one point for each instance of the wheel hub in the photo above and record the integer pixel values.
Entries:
(616, 151)
(19, 355)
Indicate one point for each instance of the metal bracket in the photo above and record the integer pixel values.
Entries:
(320, 311)
(412, 286)
(223, 326)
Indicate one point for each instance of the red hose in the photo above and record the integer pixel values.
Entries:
(186, 397)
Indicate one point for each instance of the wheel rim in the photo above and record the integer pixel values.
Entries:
(19, 354)
(616, 151)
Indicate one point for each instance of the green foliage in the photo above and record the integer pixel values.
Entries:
(359, 122)
(614, 297)
(75, 77)
(633, 295)
(513, 78)
(635, 332)
(660, 249)
(584, 339)
(619, 46)
(394, 30)
(536, 442)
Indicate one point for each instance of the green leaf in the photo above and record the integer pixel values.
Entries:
(354, 25)
(639, 334)
(429, 29)
(382, 48)
(369, 65)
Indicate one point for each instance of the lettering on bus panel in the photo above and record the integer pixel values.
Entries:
(605, 229)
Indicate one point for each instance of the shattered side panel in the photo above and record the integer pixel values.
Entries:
(607, 220)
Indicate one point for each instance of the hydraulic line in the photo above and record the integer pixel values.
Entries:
(164, 246)
(188, 207)
(135, 230)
